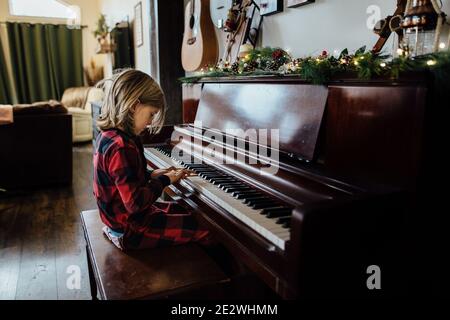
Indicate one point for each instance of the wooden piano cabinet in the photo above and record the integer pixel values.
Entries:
(365, 143)
(333, 244)
(374, 133)
(191, 99)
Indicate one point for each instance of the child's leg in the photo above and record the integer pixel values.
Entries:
(162, 229)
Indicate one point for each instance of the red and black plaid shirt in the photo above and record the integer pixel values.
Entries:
(122, 184)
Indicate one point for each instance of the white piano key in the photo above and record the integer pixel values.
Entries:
(267, 228)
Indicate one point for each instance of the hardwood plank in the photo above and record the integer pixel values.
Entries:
(70, 249)
(10, 250)
(37, 266)
(41, 235)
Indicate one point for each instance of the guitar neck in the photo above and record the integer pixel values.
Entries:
(193, 7)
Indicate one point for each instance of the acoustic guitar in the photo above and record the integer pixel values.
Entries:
(200, 46)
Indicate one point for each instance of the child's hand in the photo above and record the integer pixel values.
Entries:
(158, 172)
(177, 175)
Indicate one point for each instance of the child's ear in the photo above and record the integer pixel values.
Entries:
(134, 106)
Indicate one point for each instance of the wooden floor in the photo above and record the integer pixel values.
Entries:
(41, 238)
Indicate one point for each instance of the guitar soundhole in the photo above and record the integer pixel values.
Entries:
(192, 22)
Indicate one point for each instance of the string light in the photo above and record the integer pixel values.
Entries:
(431, 62)
(400, 51)
(383, 64)
(442, 45)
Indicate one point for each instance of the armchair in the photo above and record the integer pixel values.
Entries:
(78, 103)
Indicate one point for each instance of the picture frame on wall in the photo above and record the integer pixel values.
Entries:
(298, 3)
(269, 7)
(138, 29)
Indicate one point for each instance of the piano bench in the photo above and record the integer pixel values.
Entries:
(170, 272)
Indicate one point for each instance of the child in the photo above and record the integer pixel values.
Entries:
(125, 191)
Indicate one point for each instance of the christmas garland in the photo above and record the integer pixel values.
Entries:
(320, 69)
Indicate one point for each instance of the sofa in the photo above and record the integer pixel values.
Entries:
(36, 148)
(78, 103)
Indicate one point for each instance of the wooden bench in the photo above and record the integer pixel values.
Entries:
(147, 274)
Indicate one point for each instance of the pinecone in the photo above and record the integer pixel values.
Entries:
(250, 66)
(273, 65)
(235, 67)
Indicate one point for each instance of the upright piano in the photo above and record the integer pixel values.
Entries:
(317, 189)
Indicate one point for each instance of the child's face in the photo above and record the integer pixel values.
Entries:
(143, 117)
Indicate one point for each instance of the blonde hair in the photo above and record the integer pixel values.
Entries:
(122, 91)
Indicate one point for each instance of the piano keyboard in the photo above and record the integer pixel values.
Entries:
(265, 215)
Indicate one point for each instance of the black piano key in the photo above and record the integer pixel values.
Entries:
(262, 205)
(224, 185)
(278, 214)
(219, 182)
(224, 179)
(284, 221)
(281, 220)
(231, 189)
(267, 211)
(196, 165)
(237, 188)
(232, 183)
(250, 193)
(214, 174)
(252, 200)
(256, 196)
(245, 194)
(208, 175)
(197, 168)
(203, 170)
(241, 197)
(219, 179)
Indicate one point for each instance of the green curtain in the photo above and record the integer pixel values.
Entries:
(5, 89)
(46, 59)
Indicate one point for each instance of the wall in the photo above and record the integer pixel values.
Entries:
(119, 10)
(326, 25)
(89, 15)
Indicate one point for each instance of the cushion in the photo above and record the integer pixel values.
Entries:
(75, 97)
(42, 107)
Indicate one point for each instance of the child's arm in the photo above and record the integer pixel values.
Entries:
(137, 194)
